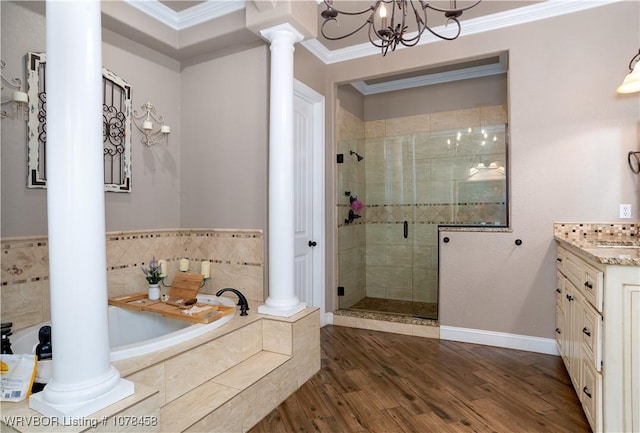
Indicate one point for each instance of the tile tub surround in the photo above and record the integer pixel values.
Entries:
(237, 258)
(227, 380)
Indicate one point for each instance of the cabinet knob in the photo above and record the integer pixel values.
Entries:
(570, 298)
(558, 259)
(586, 391)
(558, 331)
(586, 331)
(558, 290)
(518, 242)
(312, 243)
(588, 285)
(445, 240)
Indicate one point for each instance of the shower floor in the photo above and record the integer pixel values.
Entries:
(425, 310)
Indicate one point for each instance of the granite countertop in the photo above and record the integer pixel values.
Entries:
(625, 252)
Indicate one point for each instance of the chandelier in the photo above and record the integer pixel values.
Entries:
(390, 29)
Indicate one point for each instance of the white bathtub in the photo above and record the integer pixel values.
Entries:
(133, 333)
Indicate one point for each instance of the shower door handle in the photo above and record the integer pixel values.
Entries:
(406, 229)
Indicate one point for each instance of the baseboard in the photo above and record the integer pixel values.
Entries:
(328, 319)
(500, 339)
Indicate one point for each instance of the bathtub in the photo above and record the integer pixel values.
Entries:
(133, 333)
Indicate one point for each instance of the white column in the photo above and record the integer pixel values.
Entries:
(84, 380)
(282, 300)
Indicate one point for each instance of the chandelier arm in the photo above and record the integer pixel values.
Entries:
(336, 38)
(370, 8)
(446, 38)
(466, 8)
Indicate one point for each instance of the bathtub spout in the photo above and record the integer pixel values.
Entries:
(242, 301)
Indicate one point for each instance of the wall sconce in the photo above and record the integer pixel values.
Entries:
(153, 133)
(19, 99)
(631, 82)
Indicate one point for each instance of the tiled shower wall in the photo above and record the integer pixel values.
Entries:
(236, 256)
(351, 237)
(413, 172)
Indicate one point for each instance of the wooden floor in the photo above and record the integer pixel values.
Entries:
(380, 382)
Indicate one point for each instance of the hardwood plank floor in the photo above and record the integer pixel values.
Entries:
(388, 383)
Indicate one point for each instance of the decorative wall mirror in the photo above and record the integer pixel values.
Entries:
(116, 131)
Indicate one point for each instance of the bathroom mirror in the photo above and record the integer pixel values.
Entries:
(116, 114)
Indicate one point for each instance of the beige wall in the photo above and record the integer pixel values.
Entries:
(570, 133)
(470, 93)
(155, 199)
(225, 130)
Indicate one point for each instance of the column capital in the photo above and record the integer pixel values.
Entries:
(285, 29)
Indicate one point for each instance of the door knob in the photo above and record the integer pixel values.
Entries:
(312, 243)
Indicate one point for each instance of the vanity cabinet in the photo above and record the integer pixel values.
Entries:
(598, 337)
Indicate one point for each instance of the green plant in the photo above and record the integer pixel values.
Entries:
(153, 272)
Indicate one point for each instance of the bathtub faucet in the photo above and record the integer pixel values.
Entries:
(242, 301)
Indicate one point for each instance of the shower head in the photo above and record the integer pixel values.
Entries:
(360, 158)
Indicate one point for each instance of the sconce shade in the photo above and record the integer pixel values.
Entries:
(631, 82)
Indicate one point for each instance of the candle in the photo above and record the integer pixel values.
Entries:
(184, 265)
(163, 268)
(205, 268)
(148, 125)
(165, 129)
(19, 97)
(383, 15)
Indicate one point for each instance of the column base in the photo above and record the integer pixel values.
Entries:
(282, 312)
(67, 414)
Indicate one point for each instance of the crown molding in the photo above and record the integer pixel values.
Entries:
(499, 67)
(192, 16)
(213, 9)
(526, 14)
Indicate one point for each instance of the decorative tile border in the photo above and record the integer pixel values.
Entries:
(602, 231)
(236, 256)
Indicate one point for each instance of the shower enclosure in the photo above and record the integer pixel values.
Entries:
(397, 184)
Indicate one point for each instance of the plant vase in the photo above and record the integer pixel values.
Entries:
(154, 292)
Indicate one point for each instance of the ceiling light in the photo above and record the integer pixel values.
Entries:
(391, 27)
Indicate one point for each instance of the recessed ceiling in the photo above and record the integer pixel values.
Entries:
(180, 5)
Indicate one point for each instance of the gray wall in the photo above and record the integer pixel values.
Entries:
(155, 200)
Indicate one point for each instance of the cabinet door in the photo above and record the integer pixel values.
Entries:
(574, 305)
(590, 393)
(631, 362)
(591, 329)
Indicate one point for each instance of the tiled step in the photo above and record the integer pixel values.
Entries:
(188, 409)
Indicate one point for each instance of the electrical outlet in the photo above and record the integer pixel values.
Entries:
(625, 211)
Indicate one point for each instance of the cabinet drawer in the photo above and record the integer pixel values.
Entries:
(591, 330)
(573, 269)
(590, 396)
(591, 287)
(560, 259)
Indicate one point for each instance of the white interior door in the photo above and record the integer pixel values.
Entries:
(309, 250)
